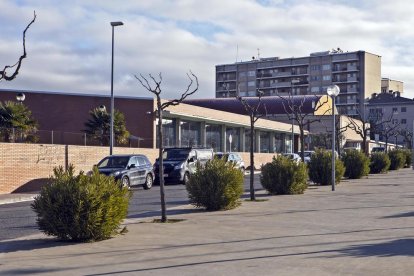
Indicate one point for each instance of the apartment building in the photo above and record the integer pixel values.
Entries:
(389, 86)
(358, 75)
(397, 111)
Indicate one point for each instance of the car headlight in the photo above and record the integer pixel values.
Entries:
(115, 173)
(178, 167)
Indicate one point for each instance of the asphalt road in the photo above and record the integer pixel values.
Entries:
(18, 220)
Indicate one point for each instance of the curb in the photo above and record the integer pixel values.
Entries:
(16, 199)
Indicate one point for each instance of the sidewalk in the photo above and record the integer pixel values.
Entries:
(13, 198)
(365, 227)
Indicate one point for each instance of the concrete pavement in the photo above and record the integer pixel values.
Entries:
(365, 227)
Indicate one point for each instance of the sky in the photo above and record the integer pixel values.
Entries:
(69, 45)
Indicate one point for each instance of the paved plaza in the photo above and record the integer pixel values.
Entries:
(365, 227)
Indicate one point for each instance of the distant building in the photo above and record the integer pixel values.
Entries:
(358, 75)
(389, 86)
(399, 109)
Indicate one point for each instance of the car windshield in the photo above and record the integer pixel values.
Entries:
(114, 162)
(175, 154)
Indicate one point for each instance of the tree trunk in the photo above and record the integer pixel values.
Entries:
(161, 163)
(252, 136)
(364, 143)
(302, 142)
(386, 143)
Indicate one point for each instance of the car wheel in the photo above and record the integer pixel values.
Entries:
(125, 182)
(148, 182)
(186, 178)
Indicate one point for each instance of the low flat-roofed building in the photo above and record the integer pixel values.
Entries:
(61, 118)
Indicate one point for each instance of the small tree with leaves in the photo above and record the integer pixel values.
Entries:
(254, 115)
(155, 88)
(4, 75)
(16, 122)
(98, 126)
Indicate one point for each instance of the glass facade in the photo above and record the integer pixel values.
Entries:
(190, 133)
(235, 135)
(279, 143)
(169, 133)
(213, 137)
(265, 142)
(247, 141)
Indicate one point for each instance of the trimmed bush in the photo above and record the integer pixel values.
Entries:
(397, 159)
(380, 162)
(80, 207)
(320, 168)
(408, 158)
(356, 164)
(284, 176)
(217, 185)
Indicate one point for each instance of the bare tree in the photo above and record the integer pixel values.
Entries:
(155, 88)
(339, 133)
(18, 64)
(254, 115)
(388, 130)
(363, 125)
(408, 137)
(296, 108)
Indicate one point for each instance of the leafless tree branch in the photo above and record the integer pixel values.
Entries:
(18, 64)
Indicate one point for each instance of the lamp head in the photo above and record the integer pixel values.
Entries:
(102, 108)
(20, 97)
(117, 23)
(333, 90)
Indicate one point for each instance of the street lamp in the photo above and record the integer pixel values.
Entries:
(111, 131)
(333, 91)
(293, 82)
(20, 97)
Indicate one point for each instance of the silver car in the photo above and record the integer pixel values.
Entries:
(232, 157)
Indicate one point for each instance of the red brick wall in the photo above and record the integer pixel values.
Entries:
(25, 167)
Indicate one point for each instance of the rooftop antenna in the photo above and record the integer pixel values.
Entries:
(258, 53)
(237, 53)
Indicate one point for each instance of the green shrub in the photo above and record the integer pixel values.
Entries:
(284, 176)
(397, 159)
(81, 207)
(216, 186)
(380, 162)
(320, 168)
(408, 158)
(356, 164)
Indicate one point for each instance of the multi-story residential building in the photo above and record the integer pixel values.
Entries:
(388, 85)
(396, 111)
(358, 75)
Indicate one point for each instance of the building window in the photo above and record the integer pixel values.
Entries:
(213, 137)
(247, 141)
(235, 139)
(326, 67)
(251, 73)
(315, 67)
(314, 78)
(315, 89)
(403, 109)
(242, 74)
(190, 133)
(168, 129)
(326, 77)
(264, 142)
(279, 142)
(251, 83)
(394, 110)
(394, 121)
(403, 121)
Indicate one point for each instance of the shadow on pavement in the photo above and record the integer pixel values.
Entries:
(401, 215)
(402, 247)
(169, 213)
(30, 244)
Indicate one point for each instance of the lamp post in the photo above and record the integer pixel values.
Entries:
(20, 97)
(333, 91)
(111, 131)
(293, 82)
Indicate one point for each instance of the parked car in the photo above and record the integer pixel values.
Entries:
(180, 163)
(293, 156)
(129, 169)
(307, 154)
(232, 157)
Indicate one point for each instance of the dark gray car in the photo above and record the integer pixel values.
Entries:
(130, 169)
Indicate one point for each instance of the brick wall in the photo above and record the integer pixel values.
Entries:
(25, 167)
